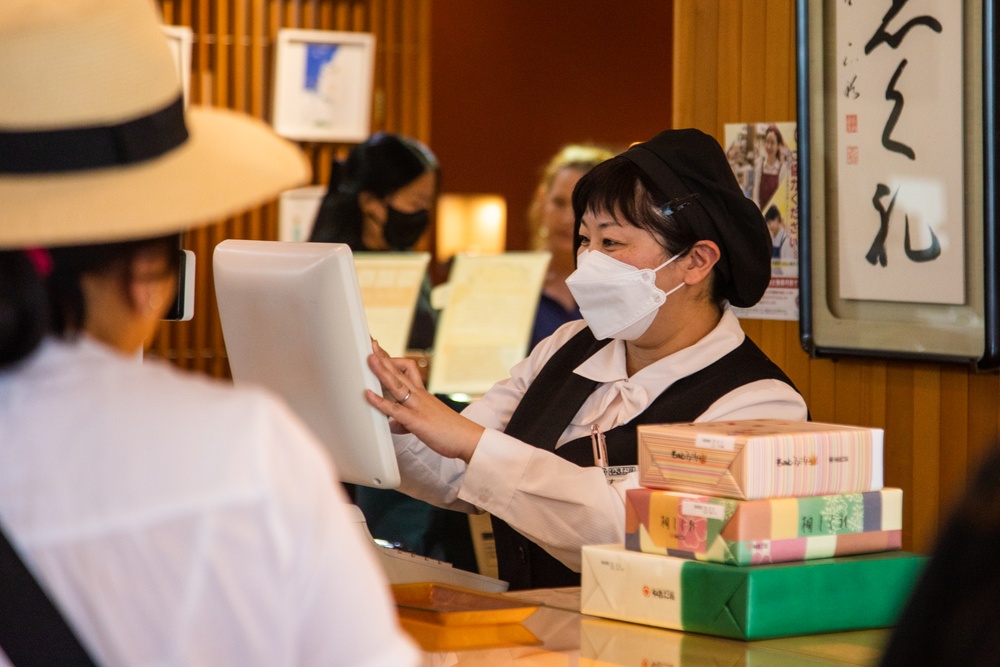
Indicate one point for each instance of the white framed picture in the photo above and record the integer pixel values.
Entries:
(297, 210)
(323, 85)
(180, 39)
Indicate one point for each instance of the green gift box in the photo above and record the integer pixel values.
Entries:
(753, 602)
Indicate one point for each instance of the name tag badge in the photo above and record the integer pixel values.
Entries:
(611, 473)
(618, 473)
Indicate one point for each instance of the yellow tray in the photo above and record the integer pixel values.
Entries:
(454, 605)
(437, 637)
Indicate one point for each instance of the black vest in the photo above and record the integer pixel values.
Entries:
(557, 394)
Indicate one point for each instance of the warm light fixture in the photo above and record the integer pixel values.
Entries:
(470, 224)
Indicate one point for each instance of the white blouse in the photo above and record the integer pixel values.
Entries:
(554, 502)
(180, 521)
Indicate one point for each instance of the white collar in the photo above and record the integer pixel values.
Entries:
(608, 363)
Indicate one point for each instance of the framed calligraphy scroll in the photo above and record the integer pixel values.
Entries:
(898, 200)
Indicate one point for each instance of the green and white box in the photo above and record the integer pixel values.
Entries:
(753, 602)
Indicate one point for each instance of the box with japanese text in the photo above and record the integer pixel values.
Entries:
(763, 458)
(770, 530)
(753, 602)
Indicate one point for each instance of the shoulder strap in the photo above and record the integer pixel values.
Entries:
(32, 631)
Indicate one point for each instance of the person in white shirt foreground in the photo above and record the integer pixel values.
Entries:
(666, 241)
(172, 519)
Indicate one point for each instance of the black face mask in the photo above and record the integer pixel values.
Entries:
(403, 230)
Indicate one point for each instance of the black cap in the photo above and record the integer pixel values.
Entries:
(682, 162)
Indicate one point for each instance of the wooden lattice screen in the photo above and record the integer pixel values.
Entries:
(232, 67)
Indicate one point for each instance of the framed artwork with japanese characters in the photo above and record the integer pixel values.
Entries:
(898, 248)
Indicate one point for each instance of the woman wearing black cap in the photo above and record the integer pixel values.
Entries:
(666, 241)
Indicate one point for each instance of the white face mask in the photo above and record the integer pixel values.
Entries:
(616, 299)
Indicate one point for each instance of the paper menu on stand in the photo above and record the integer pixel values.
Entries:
(390, 286)
(485, 325)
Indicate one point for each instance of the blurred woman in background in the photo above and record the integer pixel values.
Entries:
(551, 219)
(380, 198)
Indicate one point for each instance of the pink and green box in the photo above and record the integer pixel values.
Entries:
(774, 530)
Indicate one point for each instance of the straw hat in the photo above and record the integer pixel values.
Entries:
(93, 145)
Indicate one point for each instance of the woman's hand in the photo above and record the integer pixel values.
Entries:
(413, 409)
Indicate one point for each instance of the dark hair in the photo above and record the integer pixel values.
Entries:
(772, 213)
(948, 619)
(33, 305)
(777, 134)
(381, 165)
(619, 187)
(23, 307)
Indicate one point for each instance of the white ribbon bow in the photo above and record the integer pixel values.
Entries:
(620, 401)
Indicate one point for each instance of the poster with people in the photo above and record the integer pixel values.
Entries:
(764, 158)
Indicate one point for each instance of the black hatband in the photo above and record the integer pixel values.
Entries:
(78, 149)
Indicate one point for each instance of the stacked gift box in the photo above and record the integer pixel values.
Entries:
(754, 529)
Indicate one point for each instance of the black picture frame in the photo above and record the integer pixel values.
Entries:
(831, 326)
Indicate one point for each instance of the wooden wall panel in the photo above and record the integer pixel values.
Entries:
(233, 67)
(734, 61)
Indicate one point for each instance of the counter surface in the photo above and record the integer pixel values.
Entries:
(558, 634)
